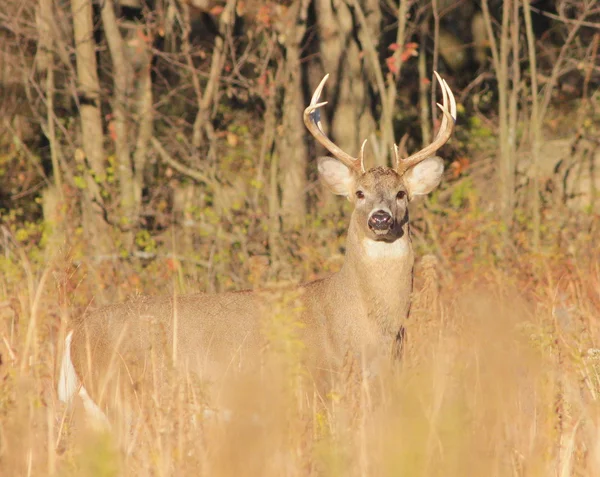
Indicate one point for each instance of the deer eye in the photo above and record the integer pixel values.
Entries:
(360, 194)
(400, 195)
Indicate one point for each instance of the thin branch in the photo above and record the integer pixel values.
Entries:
(205, 99)
(268, 135)
(436, 54)
(579, 23)
(182, 168)
(492, 38)
(558, 64)
(590, 67)
(423, 96)
(393, 78)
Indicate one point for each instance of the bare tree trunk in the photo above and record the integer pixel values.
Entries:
(202, 125)
(291, 146)
(52, 196)
(122, 80)
(46, 63)
(503, 95)
(91, 123)
(513, 105)
(368, 27)
(424, 87)
(506, 107)
(145, 121)
(131, 58)
(341, 56)
(539, 107)
(535, 129)
(88, 85)
(393, 77)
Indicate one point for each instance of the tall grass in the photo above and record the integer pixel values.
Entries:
(500, 376)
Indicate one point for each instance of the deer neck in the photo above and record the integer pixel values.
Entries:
(380, 274)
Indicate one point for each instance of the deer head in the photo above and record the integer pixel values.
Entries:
(380, 195)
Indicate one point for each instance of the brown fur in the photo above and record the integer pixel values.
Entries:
(359, 309)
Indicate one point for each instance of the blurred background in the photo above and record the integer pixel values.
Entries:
(158, 146)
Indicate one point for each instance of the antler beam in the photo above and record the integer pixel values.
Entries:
(313, 123)
(446, 128)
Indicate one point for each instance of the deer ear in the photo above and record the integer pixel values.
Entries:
(337, 177)
(424, 177)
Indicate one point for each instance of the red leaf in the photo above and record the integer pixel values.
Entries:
(391, 64)
(459, 166)
(264, 15)
(112, 130)
(410, 50)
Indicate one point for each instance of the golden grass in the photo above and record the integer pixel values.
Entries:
(501, 376)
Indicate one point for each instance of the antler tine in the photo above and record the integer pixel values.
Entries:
(313, 124)
(444, 133)
(361, 156)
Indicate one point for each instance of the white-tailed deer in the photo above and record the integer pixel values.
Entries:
(359, 309)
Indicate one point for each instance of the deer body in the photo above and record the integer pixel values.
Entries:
(359, 309)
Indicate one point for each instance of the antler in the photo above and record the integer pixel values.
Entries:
(446, 128)
(313, 123)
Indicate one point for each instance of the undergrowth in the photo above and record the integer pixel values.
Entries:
(500, 374)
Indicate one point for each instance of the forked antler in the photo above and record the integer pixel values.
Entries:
(446, 128)
(313, 124)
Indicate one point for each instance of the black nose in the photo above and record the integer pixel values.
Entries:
(381, 220)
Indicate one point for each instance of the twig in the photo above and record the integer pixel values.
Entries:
(579, 23)
(464, 94)
(182, 168)
(34, 188)
(423, 99)
(268, 135)
(218, 60)
(558, 64)
(11, 353)
(32, 325)
(398, 61)
(590, 67)
(22, 146)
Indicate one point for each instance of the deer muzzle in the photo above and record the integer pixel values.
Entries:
(381, 221)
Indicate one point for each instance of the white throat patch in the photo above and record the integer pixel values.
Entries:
(384, 250)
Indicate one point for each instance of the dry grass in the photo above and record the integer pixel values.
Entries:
(501, 377)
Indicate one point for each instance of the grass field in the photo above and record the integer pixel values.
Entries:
(501, 374)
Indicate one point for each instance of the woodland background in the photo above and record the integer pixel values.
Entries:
(158, 146)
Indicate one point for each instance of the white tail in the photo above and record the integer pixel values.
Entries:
(360, 309)
(67, 380)
(68, 385)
